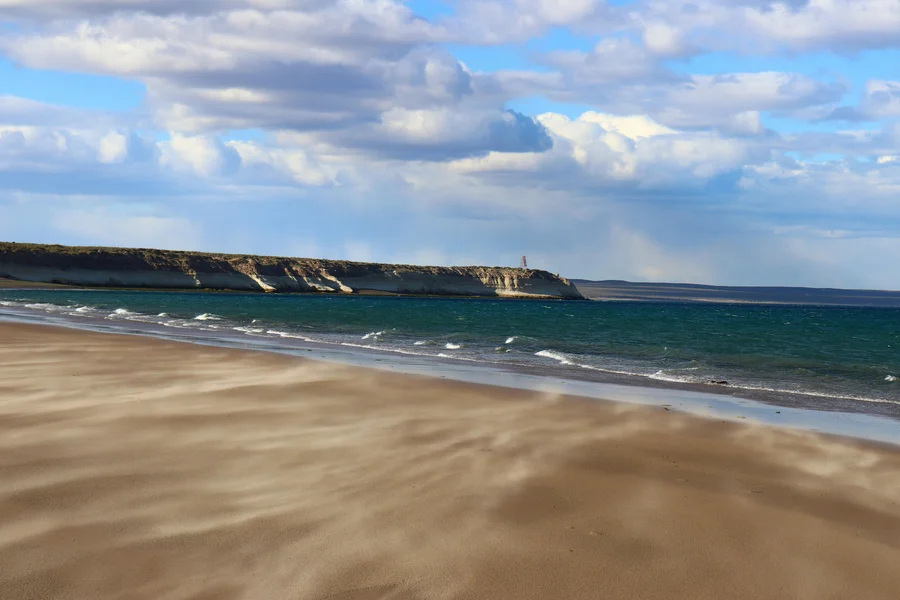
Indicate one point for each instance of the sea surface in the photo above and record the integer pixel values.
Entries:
(844, 359)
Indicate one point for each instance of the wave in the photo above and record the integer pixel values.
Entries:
(288, 335)
(84, 309)
(661, 375)
(250, 329)
(124, 312)
(207, 317)
(562, 358)
(374, 334)
(44, 306)
(163, 315)
(890, 379)
(815, 394)
(510, 340)
(380, 348)
(422, 343)
(452, 346)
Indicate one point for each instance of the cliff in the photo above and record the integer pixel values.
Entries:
(145, 268)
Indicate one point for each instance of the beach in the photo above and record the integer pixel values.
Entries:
(140, 468)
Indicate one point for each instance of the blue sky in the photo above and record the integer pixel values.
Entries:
(706, 140)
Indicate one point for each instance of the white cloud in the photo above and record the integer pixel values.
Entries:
(113, 148)
(663, 39)
(882, 99)
(296, 162)
(204, 155)
(605, 150)
(766, 26)
(826, 23)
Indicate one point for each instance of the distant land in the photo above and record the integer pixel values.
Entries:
(689, 292)
(171, 269)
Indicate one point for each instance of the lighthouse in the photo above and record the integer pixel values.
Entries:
(524, 264)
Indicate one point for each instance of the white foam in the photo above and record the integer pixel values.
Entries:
(83, 309)
(890, 378)
(374, 334)
(285, 334)
(452, 346)
(510, 340)
(423, 343)
(663, 376)
(163, 315)
(43, 306)
(207, 317)
(382, 349)
(562, 358)
(250, 329)
(123, 312)
(565, 360)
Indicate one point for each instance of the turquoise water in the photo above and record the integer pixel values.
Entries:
(834, 358)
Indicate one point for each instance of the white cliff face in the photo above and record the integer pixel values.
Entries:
(113, 267)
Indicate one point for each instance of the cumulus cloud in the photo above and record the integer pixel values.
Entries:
(772, 26)
(618, 153)
(363, 74)
(623, 77)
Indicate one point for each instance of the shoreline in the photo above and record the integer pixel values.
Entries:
(154, 469)
(694, 399)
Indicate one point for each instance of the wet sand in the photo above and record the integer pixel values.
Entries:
(136, 468)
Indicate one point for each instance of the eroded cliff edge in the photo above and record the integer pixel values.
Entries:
(147, 268)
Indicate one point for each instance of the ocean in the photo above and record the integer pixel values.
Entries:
(842, 359)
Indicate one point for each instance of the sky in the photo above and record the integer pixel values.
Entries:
(732, 142)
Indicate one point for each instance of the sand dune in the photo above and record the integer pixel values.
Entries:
(143, 469)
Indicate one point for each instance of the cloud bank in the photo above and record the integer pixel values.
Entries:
(651, 140)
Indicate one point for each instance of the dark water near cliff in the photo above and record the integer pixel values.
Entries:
(832, 358)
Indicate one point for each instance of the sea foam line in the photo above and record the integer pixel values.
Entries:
(563, 359)
(207, 317)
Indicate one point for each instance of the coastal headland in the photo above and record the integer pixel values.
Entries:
(139, 468)
(169, 269)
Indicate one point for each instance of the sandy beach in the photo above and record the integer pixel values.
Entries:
(135, 468)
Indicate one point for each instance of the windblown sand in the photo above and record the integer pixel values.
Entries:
(133, 468)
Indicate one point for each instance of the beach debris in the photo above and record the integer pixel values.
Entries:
(715, 382)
